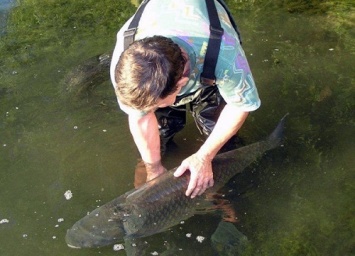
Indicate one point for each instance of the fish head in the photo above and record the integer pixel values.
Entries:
(103, 226)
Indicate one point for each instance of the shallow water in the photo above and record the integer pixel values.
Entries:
(297, 200)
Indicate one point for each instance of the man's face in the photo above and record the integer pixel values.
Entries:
(170, 99)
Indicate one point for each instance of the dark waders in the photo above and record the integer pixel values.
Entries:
(205, 109)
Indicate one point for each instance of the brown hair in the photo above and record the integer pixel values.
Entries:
(147, 71)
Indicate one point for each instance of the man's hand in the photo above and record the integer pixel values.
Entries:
(199, 164)
(201, 176)
(145, 172)
(154, 170)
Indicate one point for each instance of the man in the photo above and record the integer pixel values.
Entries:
(159, 73)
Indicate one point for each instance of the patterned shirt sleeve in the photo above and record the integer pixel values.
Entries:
(234, 78)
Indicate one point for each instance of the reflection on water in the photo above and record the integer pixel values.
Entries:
(298, 200)
(5, 6)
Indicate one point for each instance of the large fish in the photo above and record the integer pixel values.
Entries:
(161, 203)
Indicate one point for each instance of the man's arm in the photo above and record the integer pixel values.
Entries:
(145, 133)
(199, 164)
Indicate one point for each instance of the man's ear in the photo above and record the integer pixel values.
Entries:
(182, 82)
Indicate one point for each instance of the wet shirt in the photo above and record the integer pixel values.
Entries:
(187, 23)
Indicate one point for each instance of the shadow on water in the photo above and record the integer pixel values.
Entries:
(297, 200)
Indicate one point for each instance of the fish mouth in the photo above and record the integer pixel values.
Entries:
(74, 247)
(78, 237)
(75, 238)
(95, 230)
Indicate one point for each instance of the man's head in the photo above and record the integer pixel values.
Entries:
(148, 71)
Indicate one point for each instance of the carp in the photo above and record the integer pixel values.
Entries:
(161, 203)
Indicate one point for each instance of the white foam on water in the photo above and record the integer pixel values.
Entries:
(4, 221)
(68, 194)
(118, 247)
(200, 239)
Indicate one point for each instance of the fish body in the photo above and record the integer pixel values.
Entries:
(161, 203)
(85, 77)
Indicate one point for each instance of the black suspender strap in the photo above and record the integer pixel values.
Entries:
(132, 28)
(214, 43)
(231, 19)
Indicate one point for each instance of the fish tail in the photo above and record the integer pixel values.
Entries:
(277, 135)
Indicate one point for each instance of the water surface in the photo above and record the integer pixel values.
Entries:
(297, 200)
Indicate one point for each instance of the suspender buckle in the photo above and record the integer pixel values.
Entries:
(207, 81)
(130, 32)
(216, 32)
(128, 36)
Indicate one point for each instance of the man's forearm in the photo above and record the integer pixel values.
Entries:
(145, 133)
(230, 121)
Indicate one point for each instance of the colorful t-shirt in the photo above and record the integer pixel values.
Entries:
(187, 23)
